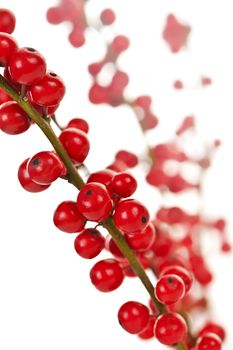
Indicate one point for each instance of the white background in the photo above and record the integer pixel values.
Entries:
(46, 299)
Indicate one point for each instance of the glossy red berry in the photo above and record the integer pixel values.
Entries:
(133, 317)
(111, 246)
(148, 332)
(4, 97)
(103, 176)
(76, 144)
(170, 328)
(94, 202)
(13, 120)
(45, 167)
(68, 218)
(89, 243)
(26, 181)
(130, 159)
(209, 341)
(48, 91)
(124, 184)
(215, 328)
(7, 21)
(80, 124)
(181, 272)
(142, 240)
(106, 275)
(7, 46)
(107, 17)
(27, 66)
(169, 289)
(131, 216)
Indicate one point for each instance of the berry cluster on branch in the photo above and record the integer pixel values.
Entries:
(30, 94)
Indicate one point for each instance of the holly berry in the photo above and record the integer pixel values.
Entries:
(181, 272)
(120, 43)
(209, 341)
(106, 275)
(148, 332)
(45, 167)
(107, 17)
(89, 243)
(13, 120)
(131, 216)
(27, 66)
(130, 159)
(80, 124)
(68, 218)
(103, 176)
(215, 328)
(113, 248)
(7, 21)
(94, 202)
(26, 181)
(124, 184)
(76, 144)
(169, 289)
(133, 317)
(48, 91)
(142, 240)
(7, 46)
(170, 329)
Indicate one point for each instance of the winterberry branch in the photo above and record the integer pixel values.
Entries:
(74, 178)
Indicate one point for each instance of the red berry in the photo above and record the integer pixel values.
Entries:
(107, 17)
(68, 218)
(113, 248)
(89, 243)
(27, 66)
(106, 275)
(48, 91)
(130, 159)
(181, 272)
(94, 202)
(170, 328)
(120, 43)
(7, 46)
(148, 332)
(131, 216)
(7, 21)
(4, 97)
(211, 327)
(45, 167)
(133, 317)
(209, 341)
(142, 240)
(124, 184)
(26, 182)
(76, 144)
(169, 289)
(80, 124)
(103, 176)
(13, 120)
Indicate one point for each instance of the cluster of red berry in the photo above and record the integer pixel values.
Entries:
(105, 199)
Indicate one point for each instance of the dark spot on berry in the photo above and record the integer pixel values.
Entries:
(170, 280)
(53, 74)
(30, 49)
(35, 161)
(175, 344)
(144, 219)
(89, 192)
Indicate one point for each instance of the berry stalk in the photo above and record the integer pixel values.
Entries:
(74, 178)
